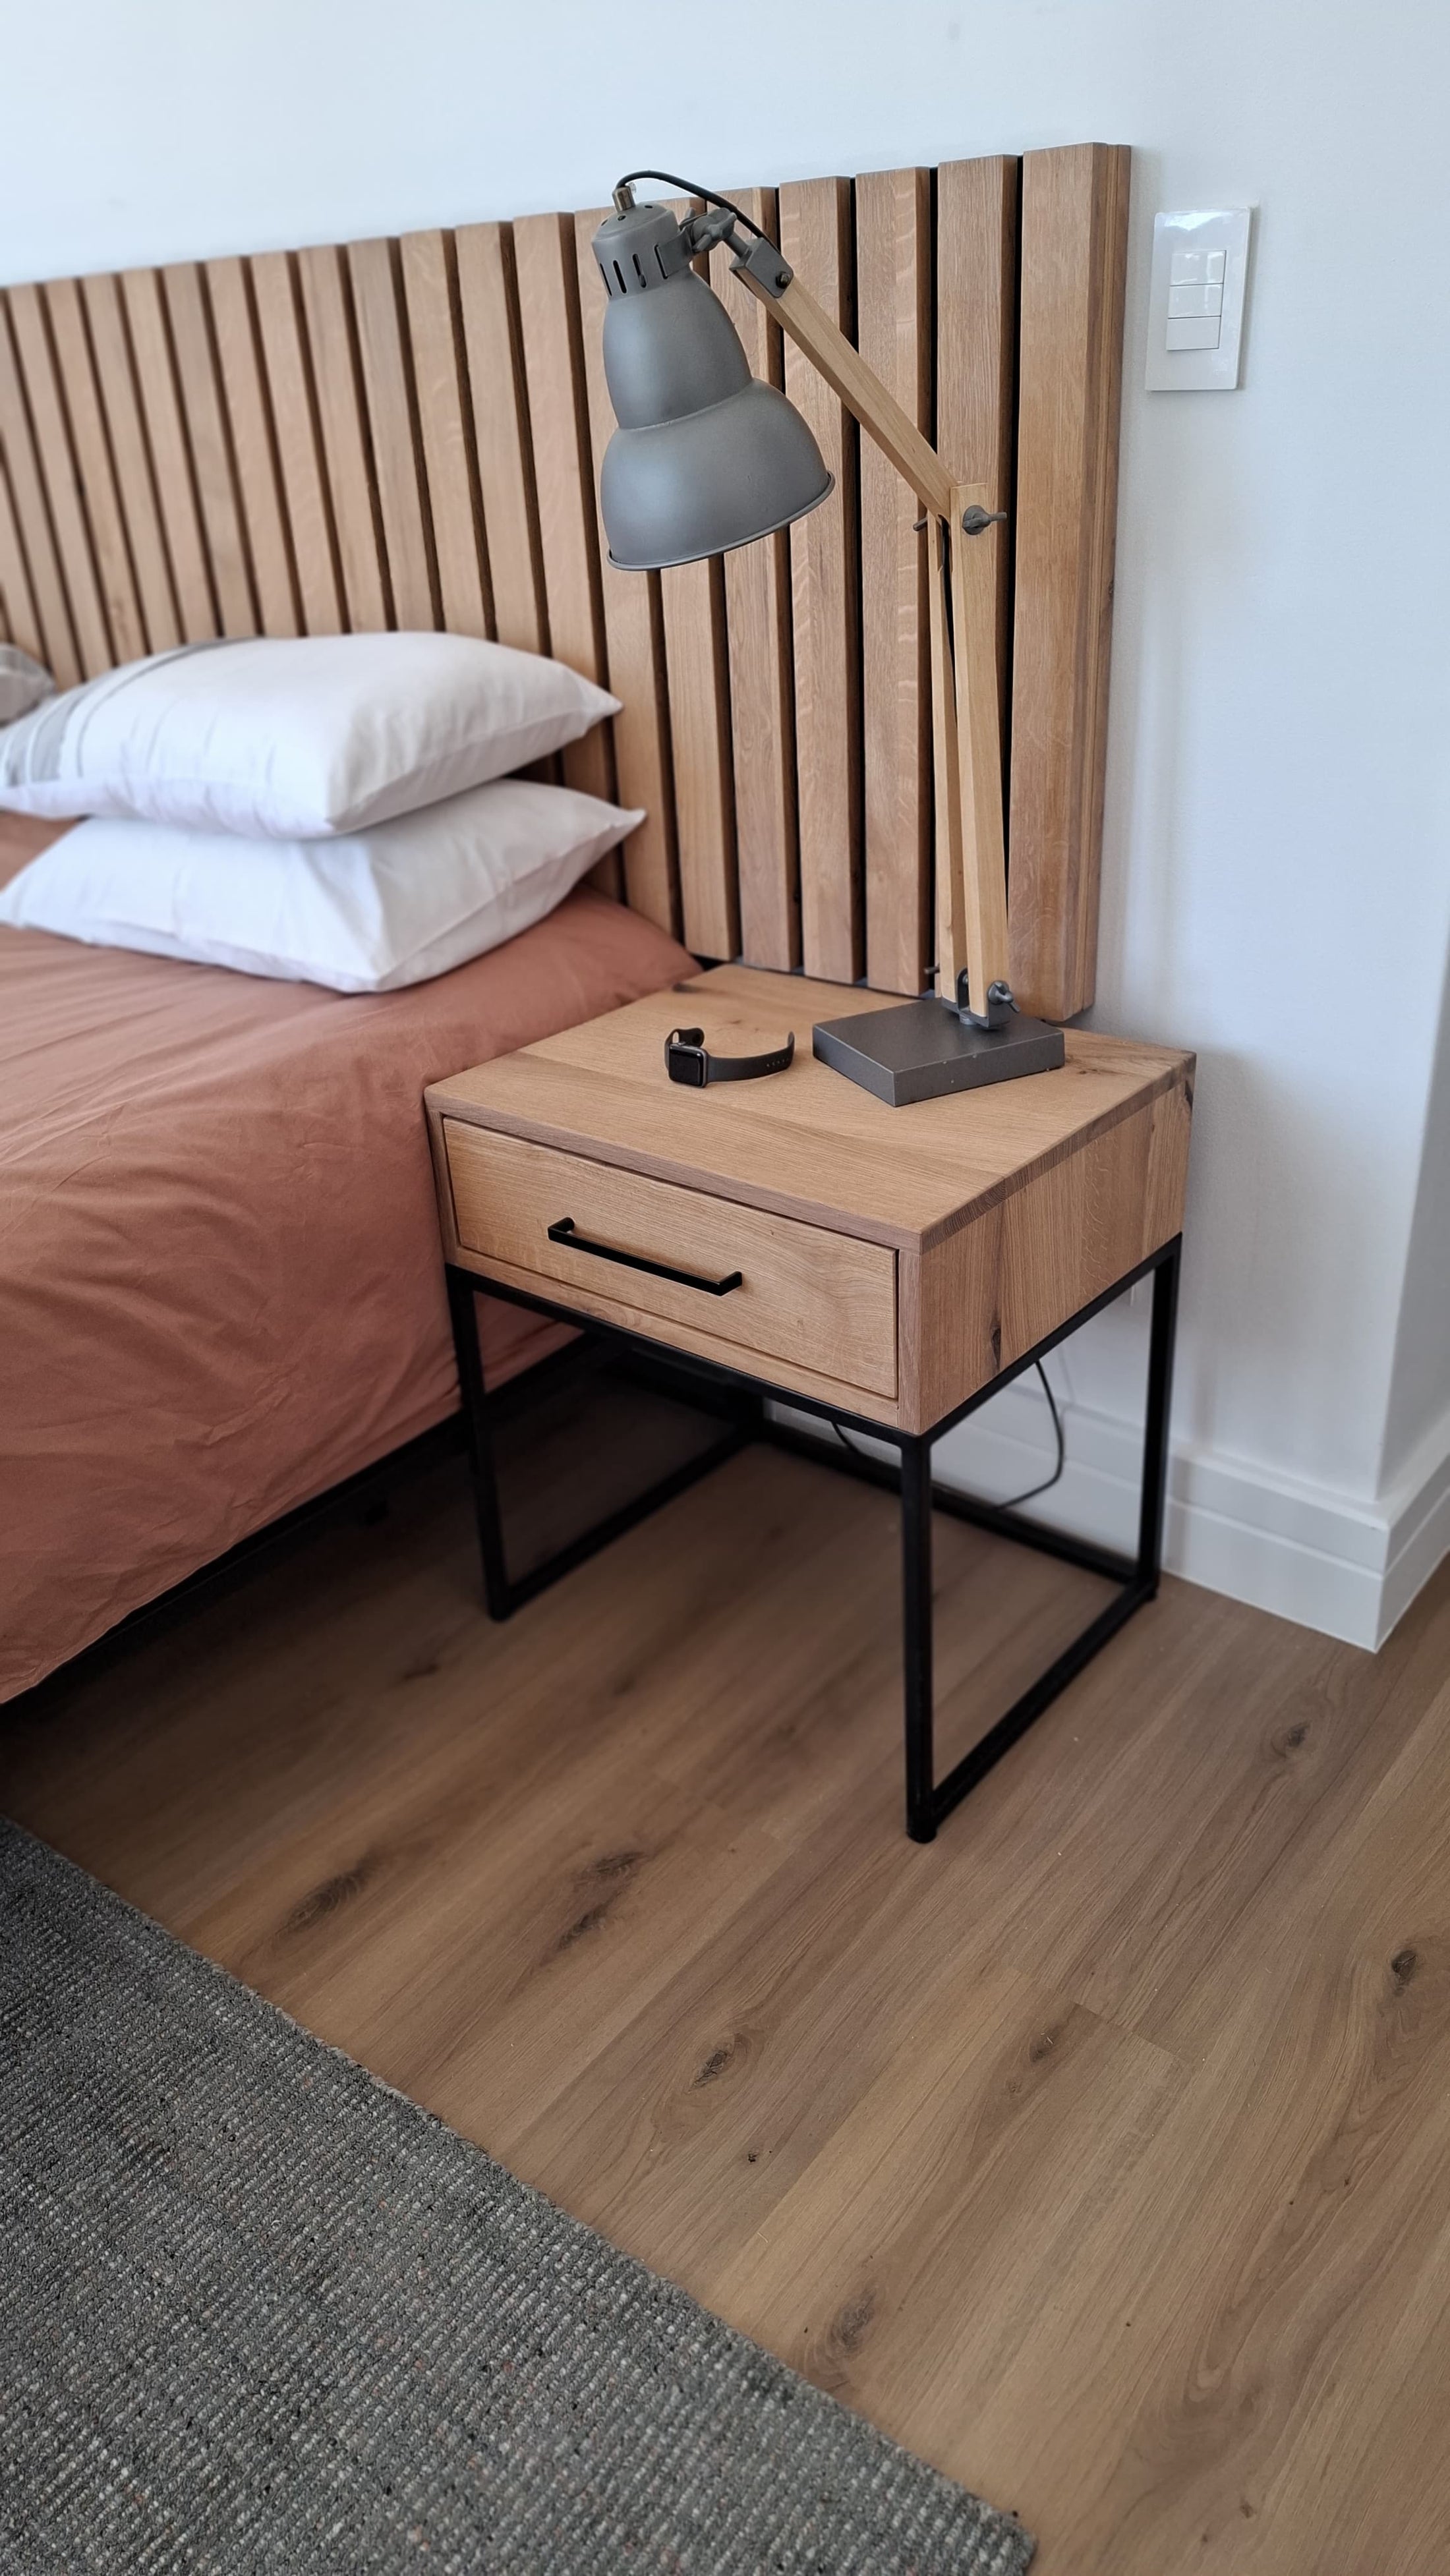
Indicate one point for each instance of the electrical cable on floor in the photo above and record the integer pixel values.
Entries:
(1013, 1500)
(1048, 1482)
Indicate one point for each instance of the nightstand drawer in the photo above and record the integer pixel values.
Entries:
(777, 1288)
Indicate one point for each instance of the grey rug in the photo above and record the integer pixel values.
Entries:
(259, 2316)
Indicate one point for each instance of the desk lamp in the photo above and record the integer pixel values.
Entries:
(706, 457)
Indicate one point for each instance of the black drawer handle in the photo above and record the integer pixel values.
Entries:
(563, 1231)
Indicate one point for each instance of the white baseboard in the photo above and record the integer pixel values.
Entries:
(1418, 1515)
(1305, 1552)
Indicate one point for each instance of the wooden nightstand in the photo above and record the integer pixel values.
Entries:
(793, 1237)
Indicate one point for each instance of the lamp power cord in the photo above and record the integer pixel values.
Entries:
(1029, 1493)
(691, 188)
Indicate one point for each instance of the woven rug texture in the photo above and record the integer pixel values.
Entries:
(260, 2316)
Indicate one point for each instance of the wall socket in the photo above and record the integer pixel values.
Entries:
(1196, 300)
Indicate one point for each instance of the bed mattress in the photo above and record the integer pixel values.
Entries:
(220, 1283)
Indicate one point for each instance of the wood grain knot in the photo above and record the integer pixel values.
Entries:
(614, 1870)
(581, 1927)
(616, 1864)
(330, 1894)
(1402, 1968)
(715, 2064)
(849, 2324)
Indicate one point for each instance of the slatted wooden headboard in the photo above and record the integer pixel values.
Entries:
(404, 433)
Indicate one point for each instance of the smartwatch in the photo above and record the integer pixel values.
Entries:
(687, 1061)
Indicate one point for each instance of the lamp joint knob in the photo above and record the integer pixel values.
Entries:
(1000, 1000)
(765, 265)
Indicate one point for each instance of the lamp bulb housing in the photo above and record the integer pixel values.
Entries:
(705, 456)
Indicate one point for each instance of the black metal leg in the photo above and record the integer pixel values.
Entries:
(740, 1423)
(916, 1638)
(463, 1315)
(1154, 1502)
(929, 1800)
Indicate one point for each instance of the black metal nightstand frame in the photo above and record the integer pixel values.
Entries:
(743, 1397)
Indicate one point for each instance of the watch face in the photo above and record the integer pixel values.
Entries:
(685, 1057)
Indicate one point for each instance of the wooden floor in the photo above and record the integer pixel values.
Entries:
(1100, 2152)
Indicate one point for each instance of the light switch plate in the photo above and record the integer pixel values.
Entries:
(1196, 300)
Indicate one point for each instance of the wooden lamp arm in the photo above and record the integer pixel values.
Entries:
(966, 741)
(859, 388)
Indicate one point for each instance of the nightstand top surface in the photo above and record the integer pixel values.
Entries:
(805, 1143)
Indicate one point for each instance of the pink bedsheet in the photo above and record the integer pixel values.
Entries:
(220, 1286)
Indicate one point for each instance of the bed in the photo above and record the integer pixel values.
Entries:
(220, 1289)
(220, 1286)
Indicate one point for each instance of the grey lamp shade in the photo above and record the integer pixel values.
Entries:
(705, 456)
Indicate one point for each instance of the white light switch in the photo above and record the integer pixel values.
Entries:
(1196, 300)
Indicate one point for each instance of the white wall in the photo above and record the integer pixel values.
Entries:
(1276, 888)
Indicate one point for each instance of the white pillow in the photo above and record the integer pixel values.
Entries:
(23, 683)
(294, 736)
(362, 913)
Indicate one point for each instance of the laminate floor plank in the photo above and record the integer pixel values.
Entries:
(1246, 1767)
(1100, 2151)
(1279, 2274)
(689, 2131)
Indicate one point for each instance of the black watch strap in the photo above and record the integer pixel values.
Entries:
(688, 1061)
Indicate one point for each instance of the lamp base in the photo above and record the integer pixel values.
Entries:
(922, 1050)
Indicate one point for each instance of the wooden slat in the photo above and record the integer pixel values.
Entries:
(762, 692)
(91, 447)
(815, 237)
(130, 455)
(692, 607)
(168, 453)
(253, 445)
(692, 598)
(61, 479)
(440, 376)
(19, 623)
(976, 330)
(393, 422)
(634, 647)
(54, 636)
(298, 445)
(498, 392)
(181, 404)
(346, 447)
(547, 263)
(893, 334)
(210, 443)
(1074, 245)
